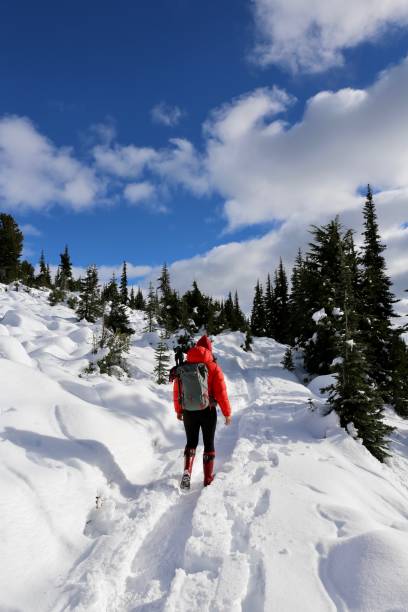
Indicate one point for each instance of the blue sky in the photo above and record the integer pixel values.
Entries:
(80, 82)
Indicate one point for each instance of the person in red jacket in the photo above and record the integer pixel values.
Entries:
(206, 419)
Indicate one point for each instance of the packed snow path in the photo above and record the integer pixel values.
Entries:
(299, 517)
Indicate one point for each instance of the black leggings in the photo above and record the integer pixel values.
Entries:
(207, 420)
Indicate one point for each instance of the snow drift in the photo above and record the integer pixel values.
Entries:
(299, 517)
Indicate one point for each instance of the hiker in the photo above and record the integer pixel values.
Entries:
(198, 410)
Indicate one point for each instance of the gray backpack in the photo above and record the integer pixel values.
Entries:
(193, 390)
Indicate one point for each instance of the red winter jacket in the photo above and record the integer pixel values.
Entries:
(202, 353)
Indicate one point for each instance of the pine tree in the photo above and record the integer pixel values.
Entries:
(56, 296)
(90, 305)
(258, 319)
(324, 287)
(167, 301)
(27, 273)
(240, 322)
(300, 321)
(132, 299)
(399, 375)
(11, 246)
(198, 307)
(64, 278)
(287, 360)
(281, 318)
(269, 307)
(117, 345)
(124, 297)
(151, 310)
(354, 396)
(377, 301)
(117, 319)
(229, 313)
(110, 292)
(162, 360)
(43, 279)
(140, 303)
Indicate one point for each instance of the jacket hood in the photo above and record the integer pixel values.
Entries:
(201, 352)
(205, 342)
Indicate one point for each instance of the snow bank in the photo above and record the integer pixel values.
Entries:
(300, 516)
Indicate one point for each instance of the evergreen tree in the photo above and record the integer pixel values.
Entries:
(162, 360)
(27, 273)
(258, 319)
(110, 292)
(117, 319)
(399, 375)
(132, 299)
(300, 320)
(140, 303)
(353, 395)
(124, 297)
(198, 308)
(118, 345)
(229, 314)
(151, 309)
(11, 246)
(48, 276)
(44, 277)
(240, 322)
(168, 307)
(90, 305)
(280, 316)
(377, 301)
(64, 279)
(287, 360)
(56, 296)
(269, 307)
(323, 283)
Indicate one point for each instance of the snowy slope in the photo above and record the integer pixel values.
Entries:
(299, 517)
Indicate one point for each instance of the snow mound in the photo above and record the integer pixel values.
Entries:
(12, 349)
(23, 322)
(369, 571)
(321, 382)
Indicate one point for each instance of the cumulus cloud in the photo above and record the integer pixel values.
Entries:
(123, 161)
(139, 192)
(267, 170)
(30, 230)
(35, 173)
(311, 36)
(178, 164)
(167, 115)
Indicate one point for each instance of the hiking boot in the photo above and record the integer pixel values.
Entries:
(208, 467)
(189, 455)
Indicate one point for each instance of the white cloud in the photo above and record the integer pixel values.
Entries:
(175, 165)
(123, 161)
(29, 230)
(139, 192)
(167, 115)
(34, 173)
(312, 35)
(181, 164)
(267, 170)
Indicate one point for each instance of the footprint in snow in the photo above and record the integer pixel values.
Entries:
(263, 504)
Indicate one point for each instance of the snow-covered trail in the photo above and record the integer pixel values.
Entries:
(299, 517)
